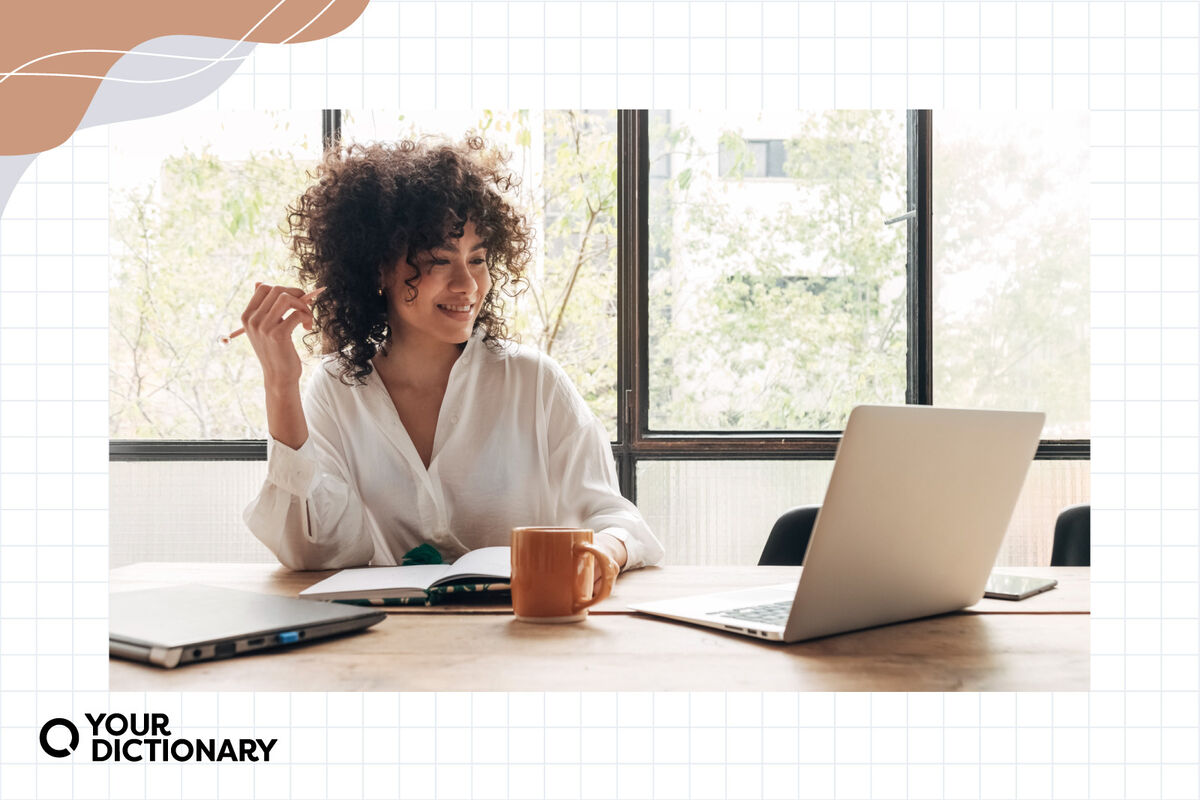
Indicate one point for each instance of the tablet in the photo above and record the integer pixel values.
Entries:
(1016, 587)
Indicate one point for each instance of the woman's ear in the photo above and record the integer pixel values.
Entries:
(388, 275)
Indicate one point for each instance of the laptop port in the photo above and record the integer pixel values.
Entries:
(225, 649)
(254, 642)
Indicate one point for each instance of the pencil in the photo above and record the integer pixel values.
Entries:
(229, 337)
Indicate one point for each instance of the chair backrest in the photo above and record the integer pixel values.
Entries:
(1073, 538)
(789, 537)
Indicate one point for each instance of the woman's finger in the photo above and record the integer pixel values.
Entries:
(264, 296)
(298, 318)
(283, 329)
(261, 316)
(285, 305)
(261, 290)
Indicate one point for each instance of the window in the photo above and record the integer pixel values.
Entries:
(721, 326)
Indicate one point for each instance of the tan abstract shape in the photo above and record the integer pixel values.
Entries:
(47, 87)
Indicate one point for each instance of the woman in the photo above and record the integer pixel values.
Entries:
(424, 425)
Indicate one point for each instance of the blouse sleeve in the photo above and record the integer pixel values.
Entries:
(584, 477)
(308, 512)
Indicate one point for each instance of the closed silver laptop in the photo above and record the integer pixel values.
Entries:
(184, 624)
(914, 515)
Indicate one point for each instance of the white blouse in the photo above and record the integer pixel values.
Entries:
(515, 445)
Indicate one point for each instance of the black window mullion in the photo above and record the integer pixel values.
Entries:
(919, 269)
(331, 128)
(713, 447)
(187, 450)
(633, 235)
(626, 472)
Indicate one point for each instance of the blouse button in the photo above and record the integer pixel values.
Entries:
(454, 419)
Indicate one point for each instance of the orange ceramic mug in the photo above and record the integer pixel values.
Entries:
(552, 573)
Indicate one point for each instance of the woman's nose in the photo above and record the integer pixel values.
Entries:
(460, 277)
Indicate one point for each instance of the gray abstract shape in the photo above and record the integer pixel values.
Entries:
(11, 170)
(179, 89)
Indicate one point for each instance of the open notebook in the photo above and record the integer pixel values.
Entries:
(482, 570)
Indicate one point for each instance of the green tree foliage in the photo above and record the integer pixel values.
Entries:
(570, 310)
(778, 303)
(186, 252)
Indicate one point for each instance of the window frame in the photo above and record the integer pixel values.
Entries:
(635, 440)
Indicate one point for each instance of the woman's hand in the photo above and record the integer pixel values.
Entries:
(269, 327)
(615, 549)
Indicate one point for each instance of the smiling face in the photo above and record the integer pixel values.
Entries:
(453, 281)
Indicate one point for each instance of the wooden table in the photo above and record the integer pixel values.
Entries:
(1038, 644)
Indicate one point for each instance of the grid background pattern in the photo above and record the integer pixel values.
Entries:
(1136, 65)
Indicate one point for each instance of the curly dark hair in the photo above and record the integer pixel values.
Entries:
(372, 205)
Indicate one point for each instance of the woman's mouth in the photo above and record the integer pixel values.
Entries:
(459, 312)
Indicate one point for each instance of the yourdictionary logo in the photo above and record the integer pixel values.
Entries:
(59, 752)
(146, 737)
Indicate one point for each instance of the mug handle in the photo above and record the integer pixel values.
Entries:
(605, 562)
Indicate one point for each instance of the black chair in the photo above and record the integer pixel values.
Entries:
(1073, 538)
(788, 541)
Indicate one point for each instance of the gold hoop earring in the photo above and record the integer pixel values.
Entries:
(379, 292)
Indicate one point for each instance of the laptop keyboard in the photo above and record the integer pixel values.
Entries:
(767, 613)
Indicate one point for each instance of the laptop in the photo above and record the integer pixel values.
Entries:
(184, 624)
(916, 509)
